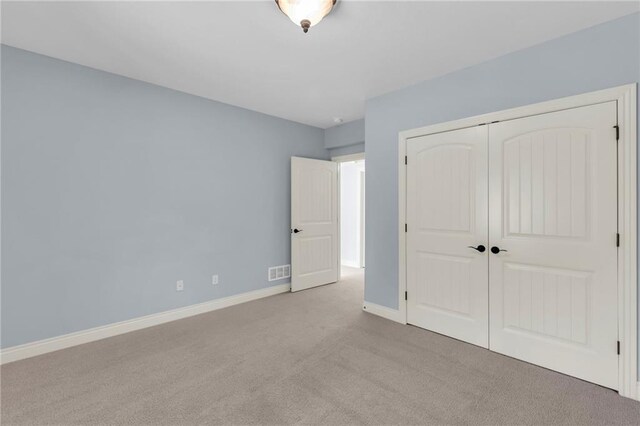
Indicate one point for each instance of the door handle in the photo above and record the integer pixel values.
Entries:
(296, 230)
(496, 250)
(480, 248)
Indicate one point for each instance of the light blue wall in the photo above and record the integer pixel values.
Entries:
(113, 189)
(346, 134)
(346, 150)
(347, 138)
(604, 56)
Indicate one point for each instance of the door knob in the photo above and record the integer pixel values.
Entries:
(496, 250)
(480, 248)
(296, 230)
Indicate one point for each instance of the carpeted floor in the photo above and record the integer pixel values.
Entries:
(309, 357)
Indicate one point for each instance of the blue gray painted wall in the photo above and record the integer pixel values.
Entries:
(347, 138)
(600, 57)
(346, 134)
(113, 189)
(346, 150)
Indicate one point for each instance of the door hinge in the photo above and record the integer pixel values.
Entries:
(405, 297)
(405, 160)
(617, 132)
(618, 347)
(405, 227)
(617, 240)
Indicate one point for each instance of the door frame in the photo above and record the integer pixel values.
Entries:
(363, 212)
(343, 159)
(625, 96)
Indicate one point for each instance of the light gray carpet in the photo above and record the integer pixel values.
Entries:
(308, 357)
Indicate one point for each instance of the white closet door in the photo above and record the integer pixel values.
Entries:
(314, 223)
(553, 293)
(447, 281)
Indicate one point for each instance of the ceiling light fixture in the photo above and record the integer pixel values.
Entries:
(306, 13)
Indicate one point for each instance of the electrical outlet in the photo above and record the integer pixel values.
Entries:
(214, 280)
(179, 285)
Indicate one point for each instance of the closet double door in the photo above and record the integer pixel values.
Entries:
(511, 238)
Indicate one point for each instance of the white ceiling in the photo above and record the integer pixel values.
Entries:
(250, 55)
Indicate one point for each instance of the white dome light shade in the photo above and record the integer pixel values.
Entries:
(306, 13)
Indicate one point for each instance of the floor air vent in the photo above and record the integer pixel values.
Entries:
(279, 272)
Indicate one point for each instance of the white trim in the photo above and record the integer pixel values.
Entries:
(384, 312)
(349, 157)
(627, 252)
(339, 207)
(362, 218)
(627, 217)
(606, 95)
(40, 347)
(402, 223)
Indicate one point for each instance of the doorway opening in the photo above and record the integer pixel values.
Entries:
(352, 214)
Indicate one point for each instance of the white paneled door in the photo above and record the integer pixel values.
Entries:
(553, 209)
(447, 269)
(539, 195)
(314, 223)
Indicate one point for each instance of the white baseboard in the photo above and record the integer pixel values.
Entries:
(384, 312)
(350, 264)
(28, 350)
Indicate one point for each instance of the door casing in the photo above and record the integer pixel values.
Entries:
(625, 96)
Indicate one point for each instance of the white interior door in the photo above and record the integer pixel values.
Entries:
(314, 223)
(447, 279)
(553, 292)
